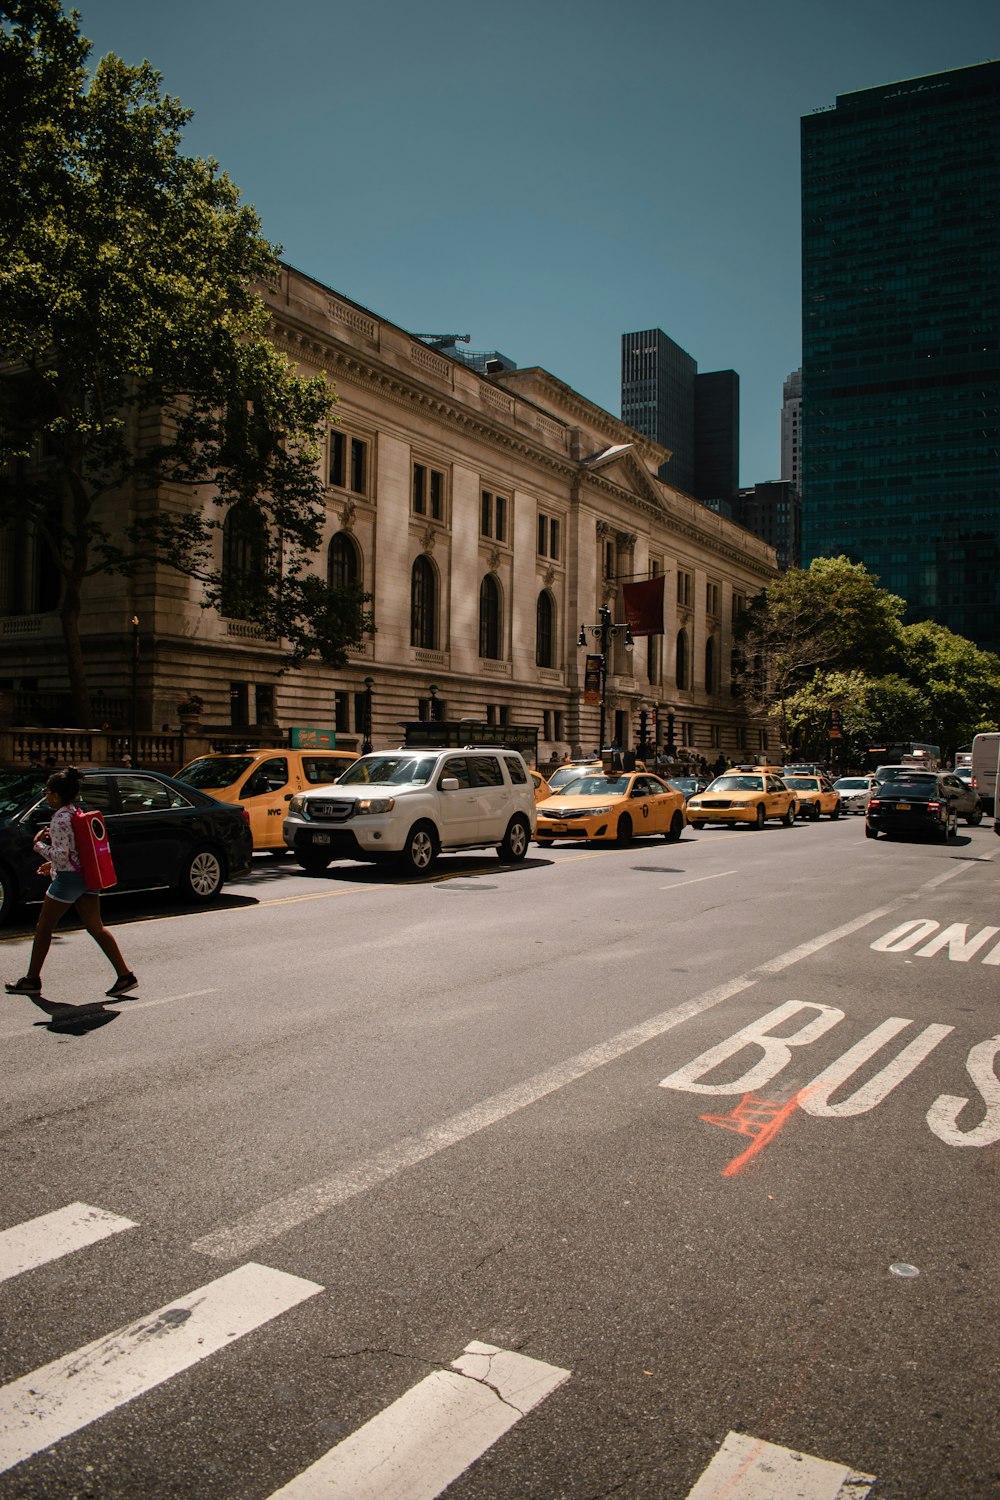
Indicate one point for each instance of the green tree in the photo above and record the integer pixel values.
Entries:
(959, 682)
(871, 709)
(831, 616)
(135, 362)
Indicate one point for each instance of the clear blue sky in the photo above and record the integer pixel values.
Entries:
(543, 174)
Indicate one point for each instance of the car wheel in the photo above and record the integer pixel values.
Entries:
(760, 816)
(835, 814)
(515, 841)
(313, 860)
(789, 817)
(870, 832)
(814, 813)
(8, 898)
(202, 877)
(698, 823)
(623, 833)
(973, 819)
(676, 828)
(420, 850)
(544, 843)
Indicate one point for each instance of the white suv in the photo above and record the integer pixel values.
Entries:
(408, 805)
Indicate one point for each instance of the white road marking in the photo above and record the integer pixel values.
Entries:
(698, 879)
(50, 1236)
(311, 1200)
(60, 1398)
(747, 1468)
(421, 1443)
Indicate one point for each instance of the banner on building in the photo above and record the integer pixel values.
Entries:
(592, 679)
(643, 605)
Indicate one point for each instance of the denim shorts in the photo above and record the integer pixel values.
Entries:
(68, 886)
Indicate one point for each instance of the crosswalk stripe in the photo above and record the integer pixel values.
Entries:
(747, 1468)
(50, 1236)
(420, 1444)
(64, 1396)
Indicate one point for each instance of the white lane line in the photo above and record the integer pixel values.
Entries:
(50, 1236)
(747, 1468)
(421, 1443)
(697, 880)
(308, 1202)
(60, 1398)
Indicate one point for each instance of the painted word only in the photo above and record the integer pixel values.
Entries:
(951, 1117)
(953, 940)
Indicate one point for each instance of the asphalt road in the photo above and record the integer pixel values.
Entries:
(694, 1144)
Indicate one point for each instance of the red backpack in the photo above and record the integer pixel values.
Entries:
(96, 864)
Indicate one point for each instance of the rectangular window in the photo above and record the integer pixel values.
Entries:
(348, 463)
(553, 724)
(548, 536)
(360, 699)
(420, 489)
(359, 466)
(739, 605)
(342, 712)
(493, 516)
(716, 736)
(428, 492)
(437, 495)
(338, 456)
(239, 704)
(265, 702)
(741, 738)
(712, 598)
(684, 588)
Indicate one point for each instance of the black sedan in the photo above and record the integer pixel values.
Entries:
(162, 833)
(913, 802)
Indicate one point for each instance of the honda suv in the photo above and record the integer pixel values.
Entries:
(405, 806)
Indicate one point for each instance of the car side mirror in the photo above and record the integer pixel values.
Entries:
(449, 783)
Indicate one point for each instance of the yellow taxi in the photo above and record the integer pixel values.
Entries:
(613, 808)
(569, 772)
(815, 796)
(542, 789)
(264, 782)
(746, 794)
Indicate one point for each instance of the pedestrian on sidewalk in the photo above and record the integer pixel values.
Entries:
(57, 846)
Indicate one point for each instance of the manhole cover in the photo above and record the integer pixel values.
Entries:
(450, 885)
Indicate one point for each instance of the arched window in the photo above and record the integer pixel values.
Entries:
(682, 659)
(489, 618)
(423, 604)
(545, 621)
(244, 554)
(710, 665)
(343, 562)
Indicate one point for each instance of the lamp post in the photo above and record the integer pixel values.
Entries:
(433, 690)
(604, 633)
(366, 743)
(134, 735)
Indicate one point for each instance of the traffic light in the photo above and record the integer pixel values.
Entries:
(836, 724)
(643, 726)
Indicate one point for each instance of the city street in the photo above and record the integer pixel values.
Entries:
(663, 1172)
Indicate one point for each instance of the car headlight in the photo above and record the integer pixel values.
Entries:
(598, 812)
(693, 802)
(296, 805)
(376, 804)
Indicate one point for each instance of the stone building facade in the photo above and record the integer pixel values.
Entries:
(489, 517)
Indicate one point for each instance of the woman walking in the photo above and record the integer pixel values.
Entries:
(57, 845)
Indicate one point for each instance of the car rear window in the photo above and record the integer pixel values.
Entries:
(487, 770)
(216, 770)
(320, 769)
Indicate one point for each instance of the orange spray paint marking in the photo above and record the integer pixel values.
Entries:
(757, 1118)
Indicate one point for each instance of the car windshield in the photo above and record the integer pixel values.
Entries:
(737, 784)
(21, 790)
(684, 783)
(390, 770)
(803, 783)
(564, 775)
(598, 786)
(215, 770)
(851, 784)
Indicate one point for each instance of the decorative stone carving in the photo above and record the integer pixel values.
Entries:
(428, 539)
(549, 577)
(340, 312)
(347, 513)
(494, 559)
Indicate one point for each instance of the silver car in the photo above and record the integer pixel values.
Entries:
(855, 792)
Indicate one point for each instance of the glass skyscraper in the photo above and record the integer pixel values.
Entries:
(901, 341)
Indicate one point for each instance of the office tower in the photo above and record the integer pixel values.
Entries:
(901, 341)
(791, 429)
(773, 512)
(696, 416)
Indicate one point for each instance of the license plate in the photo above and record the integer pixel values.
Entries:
(321, 838)
(903, 807)
(559, 828)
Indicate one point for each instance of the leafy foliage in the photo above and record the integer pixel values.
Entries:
(135, 347)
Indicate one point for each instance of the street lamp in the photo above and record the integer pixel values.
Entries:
(605, 632)
(433, 690)
(134, 736)
(366, 743)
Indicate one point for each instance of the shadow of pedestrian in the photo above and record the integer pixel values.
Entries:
(73, 1020)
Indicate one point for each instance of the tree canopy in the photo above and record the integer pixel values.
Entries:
(135, 351)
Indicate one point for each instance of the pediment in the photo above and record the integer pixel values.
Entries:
(620, 465)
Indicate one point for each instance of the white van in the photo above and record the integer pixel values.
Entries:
(985, 761)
